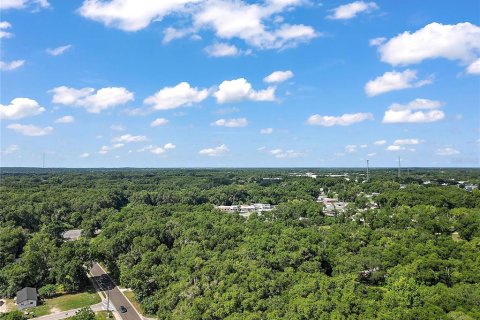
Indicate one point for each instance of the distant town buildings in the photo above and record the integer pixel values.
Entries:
(246, 210)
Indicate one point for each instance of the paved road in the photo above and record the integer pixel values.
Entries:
(69, 313)
(117, 298)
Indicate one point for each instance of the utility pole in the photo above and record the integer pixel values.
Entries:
(399, 166)
(368, 176)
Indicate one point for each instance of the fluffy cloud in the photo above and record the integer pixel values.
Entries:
(474, 67)
(174, 97)
(351, 148)
(376, 41)
(169, 146)
(12, 65)
(20, 108)
(65, 119)
(416, 111)
(20, 4)
(282, 154)
(343, 120)
(394, 80)
(3, 33)
(237, 19)
(240, 89)
(130, 15)
(351, 10)
(127, 138)
(85, 155)
(400, 142)
(107, 149)
(252, 23)
(453, 42)
(158, 150)
(222, 50)
(30, 130)
(58, 51)
(380, 142)
(231, 123)
(278, 76)
(93, 102)
(214, 152)
(159, 122)
(447, 151)
(395, 148)
(266, 131)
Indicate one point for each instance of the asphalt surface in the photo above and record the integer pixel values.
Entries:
(68, 313)
(117, 298)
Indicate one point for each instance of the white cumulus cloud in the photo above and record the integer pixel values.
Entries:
(380, 142)
(173, 97)
(21, 4)
(395, 148)
(214, 152)
(284, 154)
(253, 23)
(107, 149)
(400, 142)
(93, 102)
(351, 10)
(278, 76)
(222, 50)
(30, 130)
(231, 123)
(240, 89)
(343, 120)
(127, 138)
(416, 111)
(376, 41)
(3, 33)
(474, 67)
(459, 42)
(158, 122)
(65, 119)
(20, 108)
(391, 81)
(85, 155)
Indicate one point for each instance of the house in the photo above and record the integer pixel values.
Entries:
(471, 187)
(72, 235)
(26, 298)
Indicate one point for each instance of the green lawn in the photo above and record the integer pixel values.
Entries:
(101, 315)
(38, 311)
(73, 301)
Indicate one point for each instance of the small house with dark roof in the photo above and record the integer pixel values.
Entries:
(26, 298)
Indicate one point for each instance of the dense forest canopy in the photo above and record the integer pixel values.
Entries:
(414, 255)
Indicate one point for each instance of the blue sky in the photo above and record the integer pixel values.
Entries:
(203, 83)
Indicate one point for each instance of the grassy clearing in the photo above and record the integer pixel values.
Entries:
(38, 311)
(74, 301)
(101, 315)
